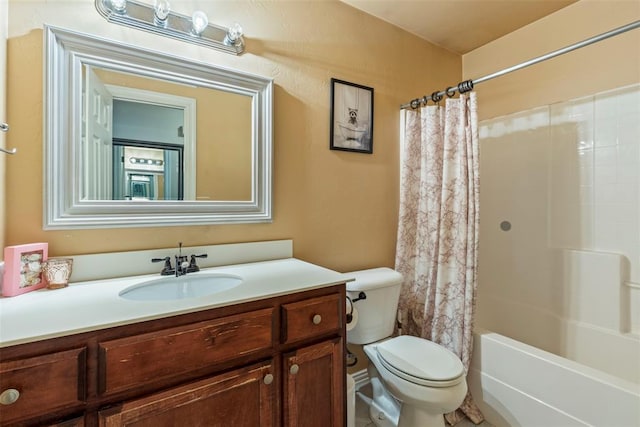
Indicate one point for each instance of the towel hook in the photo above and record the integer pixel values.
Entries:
(5, 128)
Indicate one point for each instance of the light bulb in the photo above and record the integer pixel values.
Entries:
(119, 6)
(199, 22)
(234, 35)
(162, 9)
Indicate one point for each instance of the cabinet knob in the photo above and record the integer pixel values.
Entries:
(9, 396)
(317, 319)
(294, 369)
(268, 379)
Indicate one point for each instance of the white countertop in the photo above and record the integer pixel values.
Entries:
(93, 305)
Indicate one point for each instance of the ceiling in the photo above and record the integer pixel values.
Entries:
(459, 25)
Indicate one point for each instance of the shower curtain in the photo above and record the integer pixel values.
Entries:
(437, 245)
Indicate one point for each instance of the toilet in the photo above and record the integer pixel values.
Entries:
(414, 381)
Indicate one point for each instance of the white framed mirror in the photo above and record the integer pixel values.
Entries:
(137, 138)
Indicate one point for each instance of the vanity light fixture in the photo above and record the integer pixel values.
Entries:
(161, 10)
(120, 6)
(160, 19)
(234, 35)
(199, 22)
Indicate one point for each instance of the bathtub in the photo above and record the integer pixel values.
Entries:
(516, 384)
(555, 346)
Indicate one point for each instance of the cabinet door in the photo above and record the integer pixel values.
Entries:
(315, 385)
(41, 385)
(244, 397)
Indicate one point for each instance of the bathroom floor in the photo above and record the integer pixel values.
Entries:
(362, 413)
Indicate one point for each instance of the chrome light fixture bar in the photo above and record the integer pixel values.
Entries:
(160, 19)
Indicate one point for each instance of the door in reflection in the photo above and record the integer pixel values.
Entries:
(147, 171)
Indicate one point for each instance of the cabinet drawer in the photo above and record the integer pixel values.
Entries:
(146, 358)
(311, 317)
(42, 384)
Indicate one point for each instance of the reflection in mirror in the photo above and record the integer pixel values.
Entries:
(136, 156)
(158, 168)
(119, 117)
(139, 138)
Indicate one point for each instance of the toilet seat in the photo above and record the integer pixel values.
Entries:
(420, 361)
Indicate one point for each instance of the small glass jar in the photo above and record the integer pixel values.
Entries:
(57, 272)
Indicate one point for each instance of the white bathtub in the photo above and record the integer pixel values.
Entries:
(558, 351)
(516, 384)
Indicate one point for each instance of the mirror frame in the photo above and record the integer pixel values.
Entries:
(66, 52)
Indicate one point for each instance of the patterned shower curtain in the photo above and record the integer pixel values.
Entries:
(437, 246)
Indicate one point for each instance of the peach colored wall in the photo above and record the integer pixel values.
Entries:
(339, 208)
(609, 64)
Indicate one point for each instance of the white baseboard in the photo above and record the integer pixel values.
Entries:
(361, 378)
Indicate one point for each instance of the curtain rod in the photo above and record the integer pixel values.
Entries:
(467, 85)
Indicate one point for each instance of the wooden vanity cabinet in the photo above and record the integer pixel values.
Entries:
(267, 363)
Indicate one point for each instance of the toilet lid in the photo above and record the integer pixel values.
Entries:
(421, 361)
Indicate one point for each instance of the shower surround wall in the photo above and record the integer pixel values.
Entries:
(565, 277)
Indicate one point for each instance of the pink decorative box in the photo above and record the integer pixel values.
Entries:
(23, 268)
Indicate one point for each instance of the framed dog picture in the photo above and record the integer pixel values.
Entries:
(23, 268)
(351, 117)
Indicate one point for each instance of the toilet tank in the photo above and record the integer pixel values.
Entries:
(376, 315)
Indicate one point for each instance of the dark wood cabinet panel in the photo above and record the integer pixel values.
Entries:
(242, 398)
(44, 383)
(314, 386)
(311, 317)
(75, 422)
(140, 359)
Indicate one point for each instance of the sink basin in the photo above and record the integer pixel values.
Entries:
(183, 287)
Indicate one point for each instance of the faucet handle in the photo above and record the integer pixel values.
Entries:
(167, 269)
(193, 267)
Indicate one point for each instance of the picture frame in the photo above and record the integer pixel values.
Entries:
(351, 117)
(23, 268)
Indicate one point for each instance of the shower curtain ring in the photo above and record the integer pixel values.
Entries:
(450, 91)
(436, 97)
(415, 103)
(465, 86)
